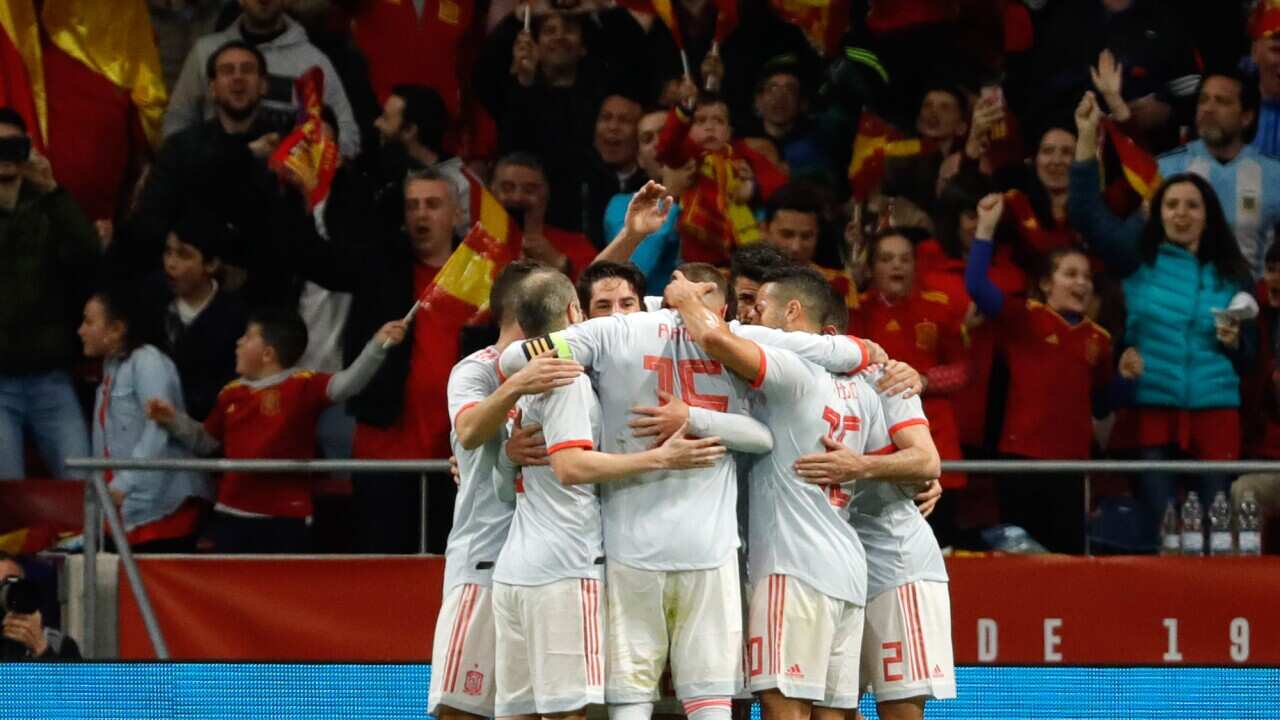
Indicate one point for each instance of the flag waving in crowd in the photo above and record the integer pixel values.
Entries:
(876, 140)
(461, 289)
(309, 152)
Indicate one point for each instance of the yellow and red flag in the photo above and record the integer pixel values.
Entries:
(663, 9)
(1140, 168)
(875, 141)
(114, 39)
(1265, 19)
(823, 21)
(461, 288)
(21, 67)
(726, 19)
(309, 152)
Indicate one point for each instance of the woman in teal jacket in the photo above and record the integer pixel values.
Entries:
(1178, 268)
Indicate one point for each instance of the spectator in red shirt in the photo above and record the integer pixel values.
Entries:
(270, 412)
(940, 265)
(1060, 368)
(920, 328)
(402, 414)
(520, 184)
(1260, 399)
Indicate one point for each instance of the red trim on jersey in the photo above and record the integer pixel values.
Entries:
(764, 368)
(886, 450)
(455, 658)
(463, 409)
(906, 424)
(497, 368)
(693, 706)
(585, 444)
(917, 632)
(866, 354)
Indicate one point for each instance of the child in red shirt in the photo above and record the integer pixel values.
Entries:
(1059, 360)
(270, 412)
(715, 218)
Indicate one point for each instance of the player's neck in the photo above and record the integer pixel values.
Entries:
(508, 334)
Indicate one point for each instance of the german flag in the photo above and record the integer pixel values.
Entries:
(875, 141)
(1139, 167)
(461, 288)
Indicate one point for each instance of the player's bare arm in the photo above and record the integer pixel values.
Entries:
(480, 422)
(577, 466)
(915, 462)
(737, 432)
(710, 331)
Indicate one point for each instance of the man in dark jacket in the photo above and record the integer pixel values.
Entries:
(401, 414)
(48, 254)
(220, 163)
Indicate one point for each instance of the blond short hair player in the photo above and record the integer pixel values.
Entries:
(462, 677)
(548, 594)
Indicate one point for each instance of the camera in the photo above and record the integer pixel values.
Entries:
(15, 149)
(19, 595)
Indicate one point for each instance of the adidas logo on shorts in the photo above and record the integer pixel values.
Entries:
(795, 672)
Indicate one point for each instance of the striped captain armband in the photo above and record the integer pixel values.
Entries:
(539, 345)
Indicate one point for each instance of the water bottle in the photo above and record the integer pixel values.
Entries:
(1220, 525)
(1249, 525)
(1192, 526)
(1170, 532)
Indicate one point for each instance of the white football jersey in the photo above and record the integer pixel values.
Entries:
(480, 519)
(798, 528)
(556, 532)
(680, 519)
(900, 545)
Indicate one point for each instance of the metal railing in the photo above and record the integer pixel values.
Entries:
(100, 500)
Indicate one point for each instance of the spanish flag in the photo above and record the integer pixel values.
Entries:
(665, 12)
(308, 151)
(26, 541)
(875, 141)
(1140, 169)
(1265, 19)
(461, 288)
(726, 19)
(113, 38)
(823, 21)
(22, 69)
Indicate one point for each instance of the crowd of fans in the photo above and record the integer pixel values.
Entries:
(1053, 309)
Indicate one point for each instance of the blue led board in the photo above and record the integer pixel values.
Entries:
(299, 691)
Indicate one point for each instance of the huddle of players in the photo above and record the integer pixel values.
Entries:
(535, 622)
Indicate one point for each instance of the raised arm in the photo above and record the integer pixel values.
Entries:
(742, 356)
(476, 423)
(348, 382)
(977, 281)
(647, 212)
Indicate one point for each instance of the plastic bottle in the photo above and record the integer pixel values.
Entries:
(1249, 525)
(1220, 540)
(1170, 531)
(1192, 526)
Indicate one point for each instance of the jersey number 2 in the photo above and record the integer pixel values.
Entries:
(667, 370)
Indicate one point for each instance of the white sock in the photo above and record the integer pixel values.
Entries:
(708, 708)
(631, 711)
